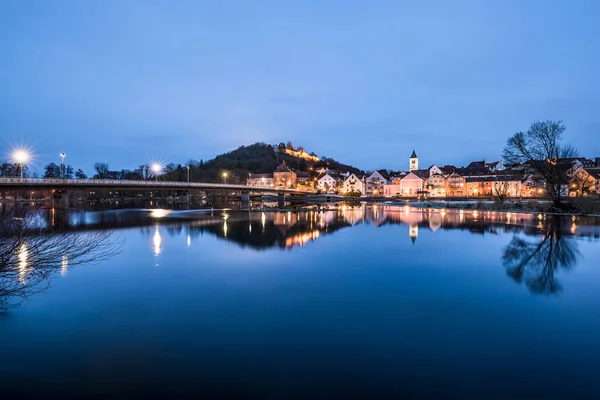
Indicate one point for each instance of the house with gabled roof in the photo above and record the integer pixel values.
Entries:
(375, 182)
(284, 177)
(455, 185)
(327, 184)
(413, 184)
(353, 184)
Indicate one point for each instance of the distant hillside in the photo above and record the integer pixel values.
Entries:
(258, 158)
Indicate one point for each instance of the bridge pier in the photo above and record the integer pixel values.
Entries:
(280, 199)
(61, 199)
(245, 199)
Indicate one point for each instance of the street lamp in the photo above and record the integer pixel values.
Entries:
(156, 168)
(21, 157)
(188, 173)
(62, 164)
(225, 177)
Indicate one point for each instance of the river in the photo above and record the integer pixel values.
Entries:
(361, 301)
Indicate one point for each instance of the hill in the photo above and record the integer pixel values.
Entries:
(259, 158)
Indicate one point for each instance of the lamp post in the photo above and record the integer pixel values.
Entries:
(188, 174)
(62, 164)
(156, 168)
(225, 177)
(20, 157)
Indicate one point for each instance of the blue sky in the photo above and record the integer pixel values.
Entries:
(363, 82)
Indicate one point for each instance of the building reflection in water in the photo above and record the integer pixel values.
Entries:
(260, 230)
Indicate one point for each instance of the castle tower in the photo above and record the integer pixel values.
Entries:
(414, 161)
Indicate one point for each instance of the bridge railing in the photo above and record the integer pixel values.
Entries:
(130, 183)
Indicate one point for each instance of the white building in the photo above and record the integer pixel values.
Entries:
(375, 183)
(353, 184)
(327, 183)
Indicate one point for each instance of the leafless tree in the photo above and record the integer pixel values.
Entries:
(500, 191)
(102, 170)
(31, 253)
(540, 148)
(536, 264)
(582, 183)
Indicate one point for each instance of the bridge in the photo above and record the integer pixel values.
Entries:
(61, 187)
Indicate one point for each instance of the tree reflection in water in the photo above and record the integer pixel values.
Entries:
(31, 252)
(537, 263)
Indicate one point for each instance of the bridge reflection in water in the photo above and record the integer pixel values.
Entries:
(534, 261)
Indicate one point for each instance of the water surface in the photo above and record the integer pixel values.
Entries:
(358, 302)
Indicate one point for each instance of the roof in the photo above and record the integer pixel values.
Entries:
(383, 173)
(505, 178)
(413, 155)
(415, 173)
(283, 168)
(447, 169)
(476, 164)
(302, 174)
(594, 172)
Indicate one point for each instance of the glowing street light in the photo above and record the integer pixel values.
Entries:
(62, 164)
(188, 173)
(156, 168)
(21, 156)
(225, 177)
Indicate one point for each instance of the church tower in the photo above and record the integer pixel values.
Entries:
(414, 161)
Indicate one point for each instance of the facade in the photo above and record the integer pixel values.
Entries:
(504, 185)
(436, 185)
(284, 177)
(327, 184)
(412, 185)
(584, 182)
(456, 185)
(353, 184)
(374, 184)
(532, 187)
(260, 180)
(303, 181)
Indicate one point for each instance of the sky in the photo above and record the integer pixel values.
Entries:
(364, 82)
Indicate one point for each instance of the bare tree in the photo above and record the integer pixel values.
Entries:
(536, 264)
(31, 253)
(582, 182)
(500, 191)
(540, 148)
(102, 170)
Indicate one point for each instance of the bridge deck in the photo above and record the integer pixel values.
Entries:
(54, 183)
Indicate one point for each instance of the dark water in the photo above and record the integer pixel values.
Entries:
(364, 302)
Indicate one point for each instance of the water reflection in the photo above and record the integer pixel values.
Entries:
(31, 252)
(157, 241)
(542, 245)
(536, 263)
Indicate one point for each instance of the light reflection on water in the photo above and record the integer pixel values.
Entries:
(277, 301)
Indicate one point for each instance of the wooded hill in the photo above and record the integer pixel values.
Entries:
(258, 158)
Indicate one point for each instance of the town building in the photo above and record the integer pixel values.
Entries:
(498, 185)
(455, 185)
(353, 184)
(284, 177)
(260, 180)
(327, 184)
(412, 184)
(375, 183)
